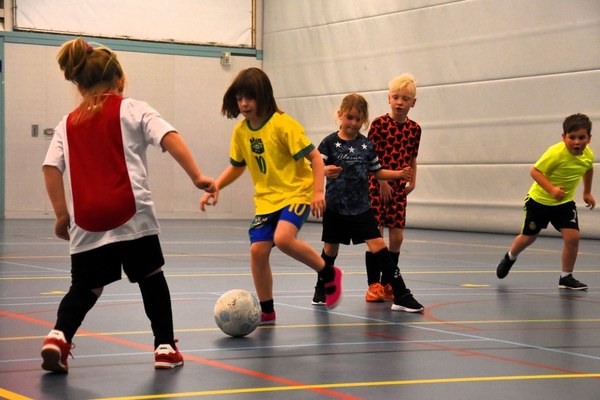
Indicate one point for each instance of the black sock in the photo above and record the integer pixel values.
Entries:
(391, 272)
(73, 309)
(329, 260)
(267, 306)
(373, 269)
(395, 258)
(157, 304)
(327, 274)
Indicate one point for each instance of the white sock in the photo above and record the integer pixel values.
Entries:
(564, 274)
(511, 257)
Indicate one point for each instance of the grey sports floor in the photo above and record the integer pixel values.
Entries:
(480, 337)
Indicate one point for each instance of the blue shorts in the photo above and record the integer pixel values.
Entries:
(263, 226)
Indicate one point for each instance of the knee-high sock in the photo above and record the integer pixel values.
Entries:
(395, 258)
(73, 309)
(390, 271)
(373, 268)
(157, 304)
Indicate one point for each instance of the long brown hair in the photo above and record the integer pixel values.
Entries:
(252, 83)
(95, 72)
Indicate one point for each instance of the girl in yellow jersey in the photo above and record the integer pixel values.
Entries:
(287, 172)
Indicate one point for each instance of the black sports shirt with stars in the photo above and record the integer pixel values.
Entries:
(348, 194)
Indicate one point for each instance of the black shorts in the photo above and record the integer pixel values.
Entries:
(537, 217)
(101, 266)
(341, 229)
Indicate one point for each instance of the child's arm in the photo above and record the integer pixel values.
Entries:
(174, 144)
(587, 189)
(56, 192)
(229, 175)
(556, 192)
(412, 183)
(317, 204)
(390, 175)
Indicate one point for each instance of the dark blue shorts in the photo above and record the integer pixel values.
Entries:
(101, 266)
(263, 226)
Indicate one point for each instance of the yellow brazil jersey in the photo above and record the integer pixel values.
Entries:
(563, 169)
(274, 155)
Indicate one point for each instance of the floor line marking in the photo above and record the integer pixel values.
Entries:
(346, 385)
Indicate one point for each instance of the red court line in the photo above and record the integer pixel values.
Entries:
(187, 357)
(472, 353)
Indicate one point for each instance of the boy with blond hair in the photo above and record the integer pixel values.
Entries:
(396, 139)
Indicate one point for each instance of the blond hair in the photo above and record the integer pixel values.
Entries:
(355, 100)
(95, 71)
(404, 81)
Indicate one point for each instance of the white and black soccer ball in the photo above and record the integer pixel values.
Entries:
(237, 312)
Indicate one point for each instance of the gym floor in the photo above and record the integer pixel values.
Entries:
(480, 337)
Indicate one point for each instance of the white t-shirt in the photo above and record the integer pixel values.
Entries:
(92, 164)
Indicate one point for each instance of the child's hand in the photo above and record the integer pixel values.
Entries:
(407, 173)
(557, 192)
(317, 205)
(209, 199)
(385, 191)
(207, 184)
(61, 227)
(589, 201)
(332, 171)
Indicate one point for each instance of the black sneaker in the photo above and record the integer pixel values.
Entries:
(407, 303)
(319, 296)
(504, 266)
(568, 282)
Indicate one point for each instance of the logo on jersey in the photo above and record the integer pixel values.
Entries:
(257, 146)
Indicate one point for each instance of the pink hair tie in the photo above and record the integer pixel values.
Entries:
(89, 48)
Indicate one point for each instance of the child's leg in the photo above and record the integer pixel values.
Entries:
(261, 269)
(520, 243)
(157, 304)
(287, 241)
(73, 308)
(570, 249)
(396, 237)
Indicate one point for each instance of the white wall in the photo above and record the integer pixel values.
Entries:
(495, 81)
(186, 90)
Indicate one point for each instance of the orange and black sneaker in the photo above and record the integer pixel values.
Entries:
(375, 293)
(388, 292)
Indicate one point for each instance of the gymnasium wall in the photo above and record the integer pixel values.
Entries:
(495, 81)
(186, 90)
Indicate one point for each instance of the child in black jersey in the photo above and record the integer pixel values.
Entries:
(349, 159)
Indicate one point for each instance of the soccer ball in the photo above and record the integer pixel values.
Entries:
(237, 312)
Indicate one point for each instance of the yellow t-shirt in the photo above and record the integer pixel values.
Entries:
(563, 169)
(274, 155)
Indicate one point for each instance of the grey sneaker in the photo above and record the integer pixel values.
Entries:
(504, 266)
(568, 282)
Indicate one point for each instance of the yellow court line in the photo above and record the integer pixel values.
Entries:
(338, 325)
(347, 385)
(8, 395)
(225, 274)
